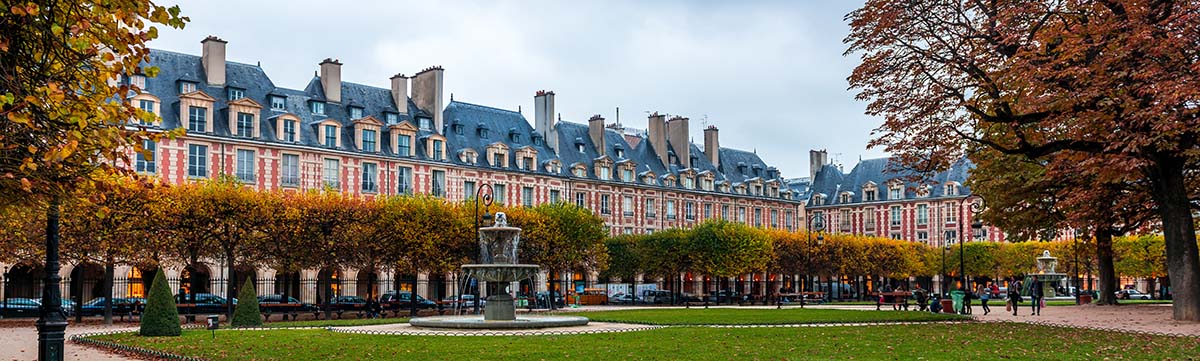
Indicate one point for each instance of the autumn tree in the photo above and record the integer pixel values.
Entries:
(286, 248)
(664, 254)
(1044, 80)
(624, 262)
(563, 237)
(421, 234)
(329, 221)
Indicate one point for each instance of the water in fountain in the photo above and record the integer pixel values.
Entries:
(499, 268)
(1046, 265)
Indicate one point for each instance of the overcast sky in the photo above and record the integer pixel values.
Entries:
(770, 75)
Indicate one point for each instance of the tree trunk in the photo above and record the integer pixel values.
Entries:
(230, 287)
(1108, 273)
(108, 292)
(1171, 194)
(412, 296)
(328, 291)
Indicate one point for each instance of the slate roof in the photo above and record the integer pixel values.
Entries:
(831, 182)
(378, 102)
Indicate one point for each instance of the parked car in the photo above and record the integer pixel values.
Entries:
(120, 306)
(403, 300)
(656, 296)
(205, 303)
(20, 307)
(542, 298)
(624, 299)
(276, 304)
(68, 306)
(1132, 295)
(467, 300)
(724, 296)
(342, 304)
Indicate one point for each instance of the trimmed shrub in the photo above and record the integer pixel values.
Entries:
(246, 314)
(160, 318)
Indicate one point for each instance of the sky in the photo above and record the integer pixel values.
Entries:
(770, 75)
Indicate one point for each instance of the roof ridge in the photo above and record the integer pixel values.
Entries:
(483, 106)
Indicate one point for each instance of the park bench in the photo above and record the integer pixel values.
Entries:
(895, 299)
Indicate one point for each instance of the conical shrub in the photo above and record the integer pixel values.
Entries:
(160, 318)
(246, 313)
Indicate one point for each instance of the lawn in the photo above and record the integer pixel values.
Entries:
(935, 341)
(340, 322)
(738, 316)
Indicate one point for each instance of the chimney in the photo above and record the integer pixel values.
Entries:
(543, 117)
(400, 93)
(677, 136)
(331, 80)
(596, 132)
(712, 147)
(427, 93)
(657, 131)
(213, 60)
(816, 160)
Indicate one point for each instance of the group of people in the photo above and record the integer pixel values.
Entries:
(1036, 294)
(984, 293)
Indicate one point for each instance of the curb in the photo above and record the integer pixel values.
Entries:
(489, 333)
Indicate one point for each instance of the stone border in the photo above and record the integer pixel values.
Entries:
(425, 332)
(87, 340)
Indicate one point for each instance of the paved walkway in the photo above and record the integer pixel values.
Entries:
(19, 342)
(1143, 318)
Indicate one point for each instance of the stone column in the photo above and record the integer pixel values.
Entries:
(422, 285)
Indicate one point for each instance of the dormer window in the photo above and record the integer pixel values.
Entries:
(368, 140)
(425, 123)
(688, 182)
(186, 87)
(331, 135)
(603, 172)
(458, 129)
(818, 199)
(923, 191)
(138, 80)
(579, 171)
(579, 147)
(537, 139)
(627, 175)
(391, 118)
(498, 159)
(235, 93)
(278, 103)
(620, 152)
(869, 195)
(289, 130)
(317, 108)
(356, 112)
(951, 189)
(245, 124)
(483, 133)
(404, 145)
(845, 198)
(514, 137)
(439, 150)
(896, 191)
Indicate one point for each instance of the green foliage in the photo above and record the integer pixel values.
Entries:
(561, 237)
(624, 262)
(725, 249)
(246, 314)
(160, 317)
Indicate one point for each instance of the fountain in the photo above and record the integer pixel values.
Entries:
(499, 268)
(1046, 265)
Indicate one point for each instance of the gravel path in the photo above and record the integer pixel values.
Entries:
(1143, 318)
(19, 342)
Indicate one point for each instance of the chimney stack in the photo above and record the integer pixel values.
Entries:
(400, 93)
(596, 132)
(712, 146)
(657, 131)
(543, 117)
(427, 93)
(331, 80)
(213, 60)
(677, 136)
(816, 160)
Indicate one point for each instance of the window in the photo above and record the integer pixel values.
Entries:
(895, 218)
(620, 153)
(197, 161)
(404, 178)
(670, 209)
(579, 172)
(650, 208)
(758, 219)
(895, 236)
(318, 108)
(951, 213)
(527, 196)
(741, 214)
(725, 212)
(145, 164)
(438, 154)
(896, 193)
(627, 206)
(147, 106)
(603, 173)
(981, 234)
(514, 137)
(554, 196)
(869, 218)
(951, 236)
(604, 204)
(787, 220)
(437, 186)
(186, 87)
(528, 163)
(355, 113)
(245, 124)
(458, 129)
(425, 123)
(235, 93)
(245, 165)
(138, 80)
(498, 194)
(707, 210)
(536, 140)
(278, 103)
(922, 214)
(391, 118)
(368, 140)
(197, 119)
(845, 219)
(289, 130)
(483, 133)
(468, 189)
(579, 147)
(774, 218)
(580, 199)
(405, 145)
(869, 195)
(627, 175)
(370, 177)
(689, 211)
(291, 170)
(498, 159)
(951, 189)
(687, 182)
(845, 198)
(923, 236)
(331, 135)
(330, 173)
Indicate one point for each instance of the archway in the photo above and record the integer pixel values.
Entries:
(287, 284)
(240, 274)
(195, 279)
(138, 281)
(329, 284)
(24, 281)
(366, 285)
(87, 282)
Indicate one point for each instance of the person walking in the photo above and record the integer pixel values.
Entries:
(1035, 295)
(1014, 296)
(922, 298)
(984, 295)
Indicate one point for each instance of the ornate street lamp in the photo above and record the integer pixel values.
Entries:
(818, 226)
(976, 206)
(1075, 252)
(480, 194)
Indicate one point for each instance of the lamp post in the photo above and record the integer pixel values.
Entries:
(818, 226)
(487, 202)
(975, 202)
(1075, 269)
(52, 321)
(944, 249)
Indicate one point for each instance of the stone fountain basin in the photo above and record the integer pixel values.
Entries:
(501, 272)
(477, 322)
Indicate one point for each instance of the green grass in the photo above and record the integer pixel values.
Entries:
(341, 322)
(977, 341)
(736, 316)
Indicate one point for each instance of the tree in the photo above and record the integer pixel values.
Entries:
(562, 237)
(247, 314)
(1044, 79)
(664, 253)
(66, 119)
(287, 248)
(726, 249)
(421, 233)
(160, 318)
(623, 260)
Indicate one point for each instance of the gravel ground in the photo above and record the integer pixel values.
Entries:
(1144, 318)
(18, 341)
